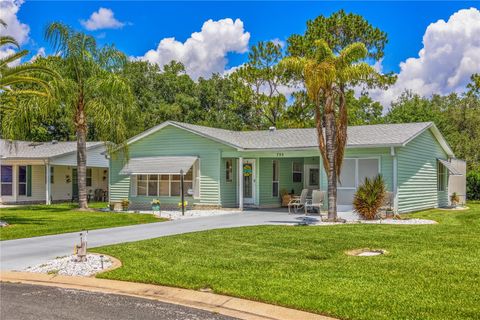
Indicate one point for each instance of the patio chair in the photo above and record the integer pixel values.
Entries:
(298, 202)
(316, 202)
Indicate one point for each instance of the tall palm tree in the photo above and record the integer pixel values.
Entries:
(326, 76)
(12, 77)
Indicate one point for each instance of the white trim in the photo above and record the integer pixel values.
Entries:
(395, 179)
(48, 186)
(251, 200)
(356, 170)
(277, 167)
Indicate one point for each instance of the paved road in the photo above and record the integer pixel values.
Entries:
(32, 302)
(21, 253)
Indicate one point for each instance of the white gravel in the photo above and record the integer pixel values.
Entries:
(68, 266)
(351, 217)
(177, 215)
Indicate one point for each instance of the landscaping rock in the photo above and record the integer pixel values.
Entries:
(3, 224)
(70, 267)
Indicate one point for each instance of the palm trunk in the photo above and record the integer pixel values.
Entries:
(332, 169)
(81, 125)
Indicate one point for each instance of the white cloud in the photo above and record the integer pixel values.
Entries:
(102, 19)
(40, 53)
(450, 54)
(19, 31)
(204, 52)
(16, 29)
(277, 41)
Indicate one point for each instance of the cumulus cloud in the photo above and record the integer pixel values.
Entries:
(450, 54)
(102, 19)
(19, 31)
(205, 51)
(40, 53)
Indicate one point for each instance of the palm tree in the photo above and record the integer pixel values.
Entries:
(92, 91)
(12, 77)
(326, 77)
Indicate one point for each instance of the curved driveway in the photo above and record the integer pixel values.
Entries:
(21, 253)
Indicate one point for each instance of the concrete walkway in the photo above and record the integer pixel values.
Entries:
(211, 302)
(22, 253)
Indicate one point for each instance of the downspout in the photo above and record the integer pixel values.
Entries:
(48, 184)
(395, 179)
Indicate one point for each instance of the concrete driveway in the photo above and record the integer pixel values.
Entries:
(21, 253)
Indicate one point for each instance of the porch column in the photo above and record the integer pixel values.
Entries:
(240, 183)
(395, 179)
(47, 184)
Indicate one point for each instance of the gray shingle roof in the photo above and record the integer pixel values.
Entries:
(358, 136)
(38, 150)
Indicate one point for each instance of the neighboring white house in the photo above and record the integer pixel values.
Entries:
(34, 172)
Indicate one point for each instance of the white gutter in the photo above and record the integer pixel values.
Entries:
(395, 179)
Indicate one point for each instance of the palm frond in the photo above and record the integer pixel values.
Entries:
(4, 40)
(11, 58)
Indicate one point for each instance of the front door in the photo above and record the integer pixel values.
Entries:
(248, 181)
(312, 177)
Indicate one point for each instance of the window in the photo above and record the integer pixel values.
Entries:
(164, 185)
(297, 172)
(22, 180)
(7, 179)
(229, 170)
(441, 177)
(89, 177)
(275, 177)
(51, 174)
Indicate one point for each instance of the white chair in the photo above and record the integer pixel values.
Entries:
(316, 202)
(298, 202)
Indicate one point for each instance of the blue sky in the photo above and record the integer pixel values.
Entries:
(145, 24)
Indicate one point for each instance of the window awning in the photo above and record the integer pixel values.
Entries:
(450, 167)
(158, 165)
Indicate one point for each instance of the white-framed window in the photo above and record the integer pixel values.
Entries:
(297, 172)
(441, 176)
(229, 170)
(164, 185)
(22, 180)
(355, 170)
(7, 180)
(275, 178)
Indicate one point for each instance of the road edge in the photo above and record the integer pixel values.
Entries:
(225, 305)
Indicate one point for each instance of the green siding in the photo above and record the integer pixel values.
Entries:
(228, 190)
(172, 141)
(417, 174)
(285, 178)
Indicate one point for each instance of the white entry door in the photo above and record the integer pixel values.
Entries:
(249, 179)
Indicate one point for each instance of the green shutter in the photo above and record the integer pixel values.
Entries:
(29, 181)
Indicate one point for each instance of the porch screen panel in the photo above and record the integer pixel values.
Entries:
(164, 185)
(347, 175)
(367, 168)
(142, 184)
(153, 185)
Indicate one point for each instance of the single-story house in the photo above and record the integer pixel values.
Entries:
(227, 168)
(35, 172)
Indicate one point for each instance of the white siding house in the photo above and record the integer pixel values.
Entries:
(34, 172)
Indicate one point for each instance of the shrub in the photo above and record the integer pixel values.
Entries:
(473, 185)
(369, 197)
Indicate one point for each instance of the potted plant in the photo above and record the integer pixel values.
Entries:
(125, 204)
(454, 199)
(155, 205)
(286, 197)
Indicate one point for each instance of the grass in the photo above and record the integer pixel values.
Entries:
(430, 271)
(39, 220)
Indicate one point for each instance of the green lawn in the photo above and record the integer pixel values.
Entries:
(39, 220)
(430, 271)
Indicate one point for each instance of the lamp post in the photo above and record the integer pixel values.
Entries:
(182, 192)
